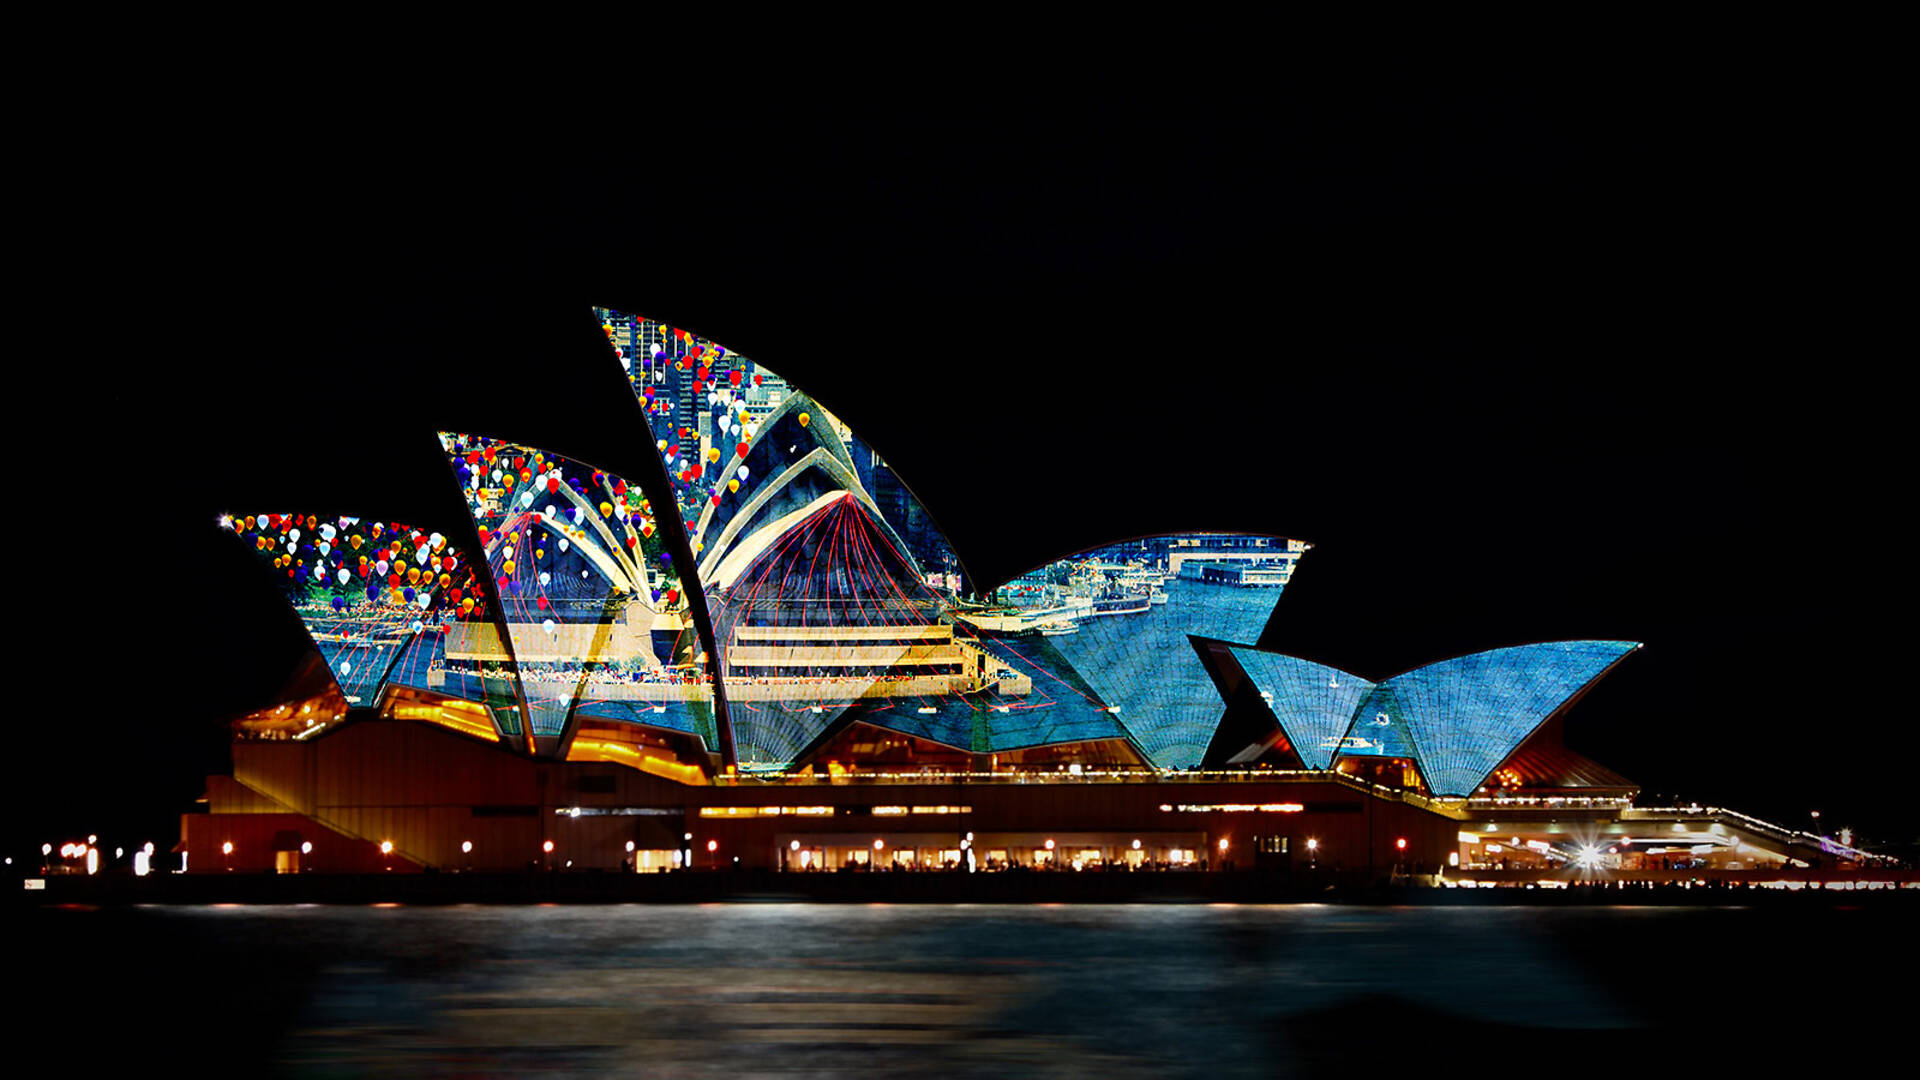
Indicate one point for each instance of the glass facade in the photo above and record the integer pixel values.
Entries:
(596, 624)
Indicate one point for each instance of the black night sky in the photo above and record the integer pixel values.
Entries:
(1520, 366)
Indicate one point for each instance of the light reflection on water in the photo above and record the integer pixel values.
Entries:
(748, 989)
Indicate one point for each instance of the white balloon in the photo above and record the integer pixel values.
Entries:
(346, 668)
(743, 472)
(325, 548)
(545, 578)
(496, 476)
(380, 565)
(327, 532)
(547, 626)
(293, 534)
(578, 514)
(345, 576)
(292, 547)
(423, 555)
(563, 544)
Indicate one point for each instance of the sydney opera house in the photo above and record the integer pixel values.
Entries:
(769, 657)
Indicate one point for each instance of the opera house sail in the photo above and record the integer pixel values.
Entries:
(766, 654)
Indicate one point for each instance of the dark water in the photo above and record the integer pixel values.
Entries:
(1147, 990)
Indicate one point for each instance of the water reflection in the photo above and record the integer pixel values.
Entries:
(725, 990)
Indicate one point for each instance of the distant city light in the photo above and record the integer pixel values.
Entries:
(386, 847)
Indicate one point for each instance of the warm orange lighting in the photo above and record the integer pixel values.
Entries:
(1049, 844)
(624, 754)
(1401, 843)
(461, 716)
(386, 847)
(547, 847)
(713, 845)
(226, 848)
(1223, 845)
(879, 845)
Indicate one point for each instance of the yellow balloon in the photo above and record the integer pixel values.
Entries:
(805, 419)
(733, 485)
(507, 568)
(606, 509)
(539, 553)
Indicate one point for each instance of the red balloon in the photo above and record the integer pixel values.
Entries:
(741, 449)
(733, 377)
(553, 485)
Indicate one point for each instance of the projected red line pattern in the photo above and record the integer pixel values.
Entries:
(834, 569)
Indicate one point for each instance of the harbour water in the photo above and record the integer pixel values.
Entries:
(1043, 990)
